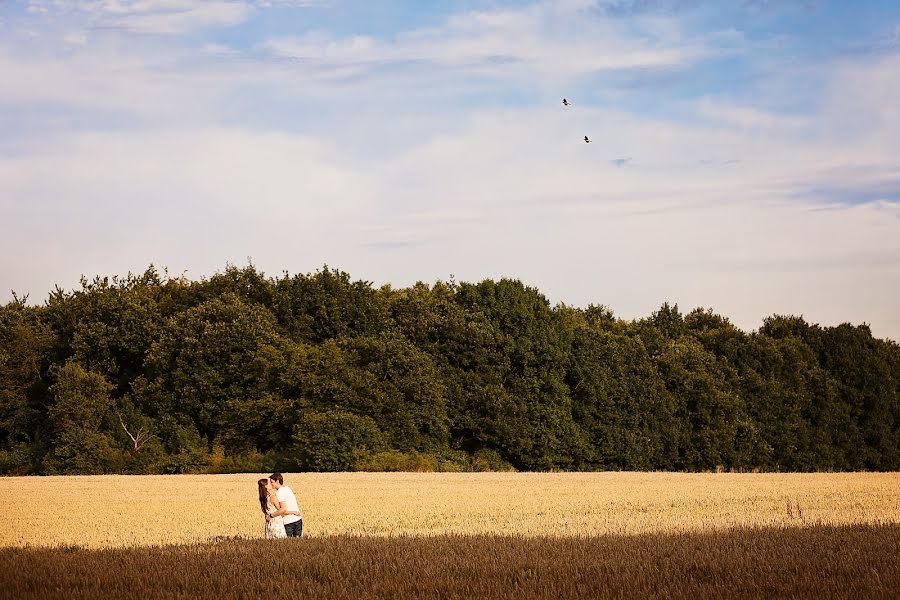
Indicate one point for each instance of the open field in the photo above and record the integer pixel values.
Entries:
(126, 511)
(816, 562)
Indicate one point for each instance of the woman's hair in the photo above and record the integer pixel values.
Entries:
(263, 493)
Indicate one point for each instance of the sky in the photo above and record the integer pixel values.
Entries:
(744, 155)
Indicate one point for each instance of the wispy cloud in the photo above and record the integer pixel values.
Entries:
(162, 17)
(395, 244)
(747, 117)
(165, 17)
(429, 149)
(527, 41)
(853, 184)
(630, 8)
(774, 5)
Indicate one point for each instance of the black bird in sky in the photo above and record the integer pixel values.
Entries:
(586, 140)
(565, 102)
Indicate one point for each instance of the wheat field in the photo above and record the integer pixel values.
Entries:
(133, 511)
(796, 562)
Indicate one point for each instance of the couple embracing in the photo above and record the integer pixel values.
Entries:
(279, 504)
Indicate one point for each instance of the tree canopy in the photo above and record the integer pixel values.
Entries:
(244, 372)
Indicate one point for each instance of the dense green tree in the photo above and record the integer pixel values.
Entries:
(384, 377)
(774, 382)
(401, 388)
(25, 349)
(207, 359)
(150, 373)
(715, 333)
(78, 418)
(247, 283)
(334, 440)
(327, 305)
(669, 321)
(864, 376)
(620, 401)
(509, 386)
(712, 427)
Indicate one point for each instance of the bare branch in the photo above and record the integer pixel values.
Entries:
(136, 440)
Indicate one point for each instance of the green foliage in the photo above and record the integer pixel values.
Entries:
(245, 462)
(81, 399)
(395, 461)
(487, 459)
(508, 371)
(21, 458)
(26, 345)
(334, 440)
(186, 451)
(327, 305)
(712, 429)
(77, 453)
(241, 372)
(483, 460)
(81, 406)
(204, 360)
(399, 386)
(620, 401)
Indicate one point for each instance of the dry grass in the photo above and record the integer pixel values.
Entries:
(124, 511)
(817, 562)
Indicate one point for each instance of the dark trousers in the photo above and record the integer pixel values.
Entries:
(294, 529)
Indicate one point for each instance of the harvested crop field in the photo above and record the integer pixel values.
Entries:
(457, 535)
(124, 511)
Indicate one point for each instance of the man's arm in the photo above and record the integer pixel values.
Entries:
(278, 504)
(283, 511)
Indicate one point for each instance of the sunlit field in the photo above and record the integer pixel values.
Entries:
(128, 511)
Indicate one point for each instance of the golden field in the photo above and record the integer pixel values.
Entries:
(796, 562)
(132, 511)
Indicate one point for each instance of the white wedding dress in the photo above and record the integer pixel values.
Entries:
(275, 525)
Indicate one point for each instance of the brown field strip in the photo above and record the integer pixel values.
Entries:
(806, 562)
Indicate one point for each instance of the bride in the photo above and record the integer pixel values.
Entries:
(269, 504)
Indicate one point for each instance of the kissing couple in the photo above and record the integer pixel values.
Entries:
(279, 505)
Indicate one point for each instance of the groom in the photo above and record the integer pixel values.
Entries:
(293, 524)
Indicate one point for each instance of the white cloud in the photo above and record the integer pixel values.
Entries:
(863, 101)
(234, 170)
(75, 38)
(165, 17)
(294, 3)
(102, 79)
(219, 50)
(489, 199)
(747, 117)
(110, 202)
(200, 16)
(547, 39)
(395, 181)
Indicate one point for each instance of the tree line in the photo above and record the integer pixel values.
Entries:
(242, 372)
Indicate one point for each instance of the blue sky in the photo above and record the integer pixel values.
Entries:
(745, 154)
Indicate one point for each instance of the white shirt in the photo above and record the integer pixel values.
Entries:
(288, 501)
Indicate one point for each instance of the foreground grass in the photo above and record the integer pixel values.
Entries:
(806, 562)
(124, 511)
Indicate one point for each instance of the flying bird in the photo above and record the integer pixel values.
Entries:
(586, 140)
(565, 102)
